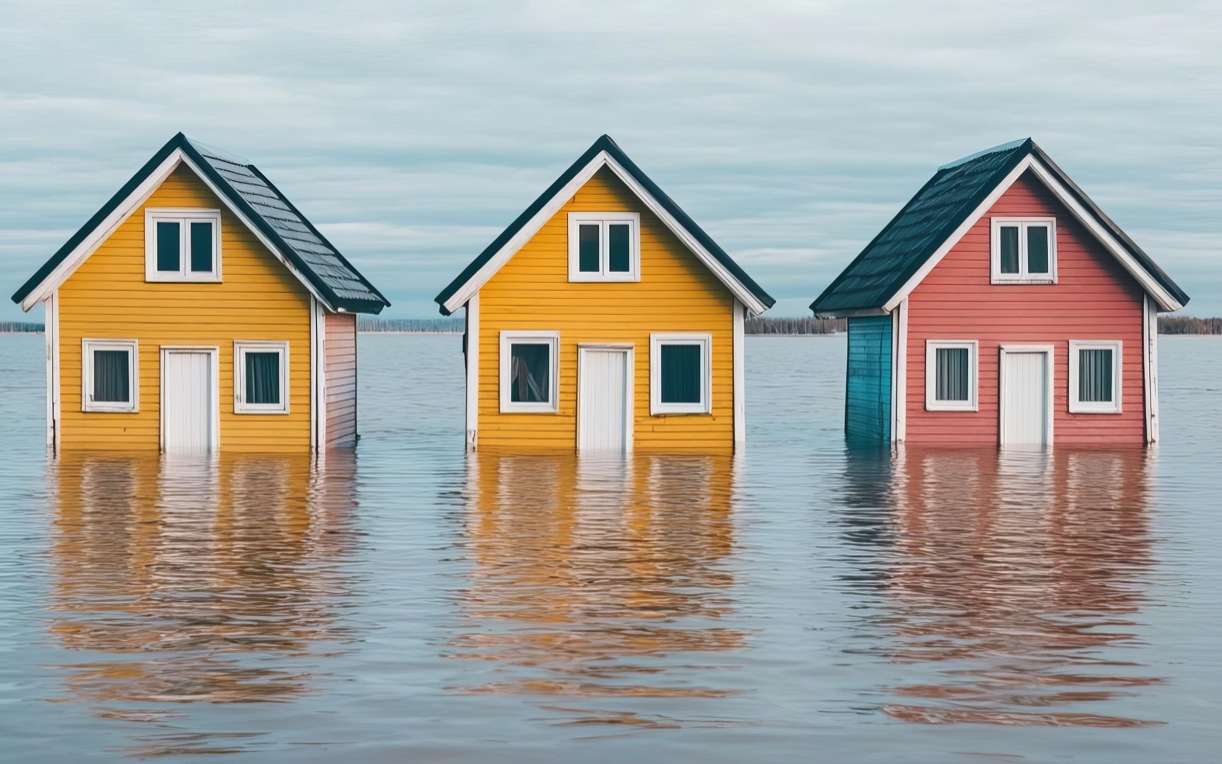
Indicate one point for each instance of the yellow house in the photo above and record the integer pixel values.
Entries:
(198, 310)
(604, 318)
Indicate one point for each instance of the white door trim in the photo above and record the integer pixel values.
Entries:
(1049, 364)
(630, 369)
(213, 362)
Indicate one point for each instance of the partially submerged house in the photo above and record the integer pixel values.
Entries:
(1002, 306)
(197, 310)
(604, 318)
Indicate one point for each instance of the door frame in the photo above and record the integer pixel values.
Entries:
(214, 434)
(1049, 352)
(629, 350)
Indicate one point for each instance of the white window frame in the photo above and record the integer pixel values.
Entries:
(656, 342)
(541, 337)
(1023, 277)
(132, 347)
(605, 219)
(184, 217)
(1113, 406)
(240, 349)
(931, 375)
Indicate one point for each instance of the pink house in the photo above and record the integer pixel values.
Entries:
(1002, 306)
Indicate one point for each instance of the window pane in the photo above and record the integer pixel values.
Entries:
(262, 377)
(954, 377)
(1095, 375)
(529, 380)
(680, 373)
(617, 236)
(111, 377)
(587, 237)
(1009, 249)
(1037, 249)
(167, 246)
(201, 247)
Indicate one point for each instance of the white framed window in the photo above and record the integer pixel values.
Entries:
(530, 375)
(182, 244)
(680, 373)
(604, 246)
(1024, 250)
(110, 372)
(952, 378)
(1094, 376)
(260, 377)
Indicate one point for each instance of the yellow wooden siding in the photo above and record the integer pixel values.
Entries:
(258, 299)
(676, 293)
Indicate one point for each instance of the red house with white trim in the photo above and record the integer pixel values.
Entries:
(1002, 306)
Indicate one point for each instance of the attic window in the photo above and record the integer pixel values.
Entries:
(182, 245)
(604, 246)
(1024, 251)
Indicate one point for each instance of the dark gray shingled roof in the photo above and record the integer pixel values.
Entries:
(274, 215)
(933, 214)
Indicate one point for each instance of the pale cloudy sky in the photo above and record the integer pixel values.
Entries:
(412, 133)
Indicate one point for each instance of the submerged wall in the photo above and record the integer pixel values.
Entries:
(867, 400)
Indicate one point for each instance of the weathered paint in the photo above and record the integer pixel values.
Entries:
(1094, 298)
(867, 409)
(340, 379)
(676, 293)
(258, 299)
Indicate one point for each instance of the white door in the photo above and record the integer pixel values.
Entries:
(186, 401)
(1025, 393)
(604, 406)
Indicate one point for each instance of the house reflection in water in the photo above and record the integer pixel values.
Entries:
(186, 580)
(1010, 583)
(598, 577)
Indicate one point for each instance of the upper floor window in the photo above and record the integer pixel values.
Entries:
(1024, 250)
(604, 246)
(182, 245)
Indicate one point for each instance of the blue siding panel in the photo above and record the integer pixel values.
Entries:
(867, 403)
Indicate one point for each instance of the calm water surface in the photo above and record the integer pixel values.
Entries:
(409, 603)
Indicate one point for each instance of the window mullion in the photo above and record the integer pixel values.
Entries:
(604, 248)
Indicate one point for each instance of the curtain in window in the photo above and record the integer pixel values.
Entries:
(1037, 249)
(201, 247)
(954, 377)
(529, 379)
(617, 244)
(680, 373)
(262, 377)
(1009, 249)
(587, 242)
(167, 246)
(1095, 375)
(111, 377)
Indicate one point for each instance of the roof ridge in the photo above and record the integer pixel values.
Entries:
(999, 148)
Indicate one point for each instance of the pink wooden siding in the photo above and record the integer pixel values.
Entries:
(1093, 299)
(341, 379)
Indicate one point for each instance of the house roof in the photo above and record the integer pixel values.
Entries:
(603, 152)
(954, 195)
(263, 207)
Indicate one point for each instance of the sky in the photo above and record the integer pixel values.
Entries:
(412, 133)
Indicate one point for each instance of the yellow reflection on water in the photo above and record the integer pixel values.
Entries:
(593, 574)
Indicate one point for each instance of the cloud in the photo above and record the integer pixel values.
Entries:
(792, 131)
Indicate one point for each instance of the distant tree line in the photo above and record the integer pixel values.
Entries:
(1189, 325)
(19, 327)
(789, 326)
(411, 325)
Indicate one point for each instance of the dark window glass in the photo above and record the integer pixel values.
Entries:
(617, 244)
(954, 377)
(529, 380)
(262, 377)
(111, 376)
(1009, 249)
(201, 247)
(680, 373)
(168, 257)
(587, 238)
(1037, 249)
(1095, 375)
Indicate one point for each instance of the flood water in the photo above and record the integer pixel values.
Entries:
(798, 602)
